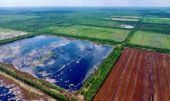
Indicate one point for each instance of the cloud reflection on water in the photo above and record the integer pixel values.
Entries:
(64, 62)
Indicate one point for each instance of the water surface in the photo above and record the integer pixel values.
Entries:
(7, 92)
(62, 61)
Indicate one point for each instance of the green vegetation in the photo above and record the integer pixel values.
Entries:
(101, 25)
(14, 17)
(5, 41)
(157, 20)
(50, 85)
(125, 18)
(156, 24)
(129, 17)
(149, 48)
(137, 26)
(117, 35)
(95, 81)
(152, 39)
(35, 19)
(37, 83)
(4, 30)
(159, 28)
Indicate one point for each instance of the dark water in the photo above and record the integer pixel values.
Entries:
(6, 94)
(62, 61)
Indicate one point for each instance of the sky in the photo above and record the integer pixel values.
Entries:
(84, 3)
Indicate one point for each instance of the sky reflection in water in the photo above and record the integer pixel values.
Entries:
(62, 61)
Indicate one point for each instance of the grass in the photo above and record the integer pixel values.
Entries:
(12, 17)
(34, 82)
(152, 39)
(95, 81)
(117, 35)
(33, 19)
(5, 30)
(125, 18)
(156, 20)
(96, 25)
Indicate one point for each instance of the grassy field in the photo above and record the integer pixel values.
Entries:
(13, 17)
(152, 39)
(125, 18)
(33, 19)
(156, 20)
(8, 33)
(117, 35)
(4, 30)
(99, 24)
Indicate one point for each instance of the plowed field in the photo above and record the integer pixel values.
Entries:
(139, 75)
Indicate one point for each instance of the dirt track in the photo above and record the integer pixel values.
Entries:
(139, 75)
(27, 92)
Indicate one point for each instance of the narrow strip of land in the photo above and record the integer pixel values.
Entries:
(28, 92)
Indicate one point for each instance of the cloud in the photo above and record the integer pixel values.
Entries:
(40, 2)
(19, 3)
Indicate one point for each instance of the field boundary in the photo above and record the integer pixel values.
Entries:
(137, 26)
(161, 50)
(96, 80)
(101, 41)
(102, 26)
(45, 87)
(138, 75)
(6, 41)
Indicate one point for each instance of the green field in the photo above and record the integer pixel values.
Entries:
(117, 35)
(156, 20)
(5, 30)
(13, 17)
(150, 29)
(125, 18)
(151, 39)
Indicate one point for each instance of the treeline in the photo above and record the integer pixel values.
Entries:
(161, 50)
(5, 41)
(137, 26)
(50, 85)
(34, 83)
(95, 81)
(159, 28)
(104, 23)
(97, 40)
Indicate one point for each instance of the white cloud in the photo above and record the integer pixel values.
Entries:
(84, 3)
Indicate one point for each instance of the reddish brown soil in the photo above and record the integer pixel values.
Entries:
(139, 75)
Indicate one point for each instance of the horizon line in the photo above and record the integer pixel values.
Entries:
(85, 7)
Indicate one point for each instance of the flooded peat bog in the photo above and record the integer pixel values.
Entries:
(62, 61)
(9, 91)
(6, 94)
